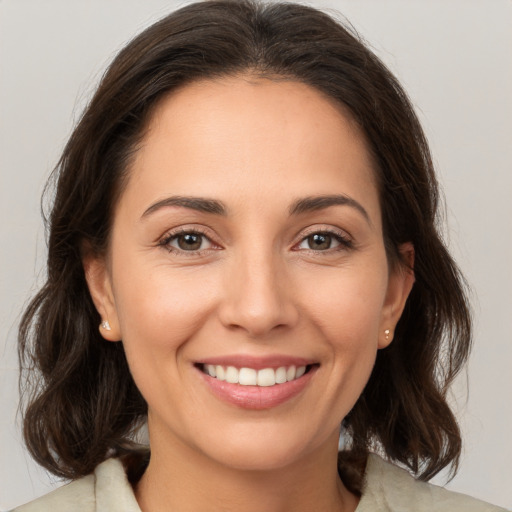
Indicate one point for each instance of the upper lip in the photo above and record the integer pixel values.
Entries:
(257, 362)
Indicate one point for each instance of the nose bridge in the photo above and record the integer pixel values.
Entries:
(256, 297)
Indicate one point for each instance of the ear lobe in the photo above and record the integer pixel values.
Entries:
(100, 288)
(400, 283)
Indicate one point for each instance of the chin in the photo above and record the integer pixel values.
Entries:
(258, 460)
(260, 452)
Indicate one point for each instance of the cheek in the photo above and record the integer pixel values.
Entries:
(349, 325)
(159, 309)
(347, 307)
(159, 312)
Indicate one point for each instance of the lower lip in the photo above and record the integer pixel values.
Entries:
(257, 397)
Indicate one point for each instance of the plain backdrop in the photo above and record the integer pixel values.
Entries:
(454, 58)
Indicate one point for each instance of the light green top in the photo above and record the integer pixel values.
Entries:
(387, 488)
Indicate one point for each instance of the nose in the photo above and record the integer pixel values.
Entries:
(258, 297)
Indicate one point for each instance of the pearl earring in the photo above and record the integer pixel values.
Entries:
(105, 325)
(386, 332)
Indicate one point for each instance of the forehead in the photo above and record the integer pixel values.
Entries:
(255, 136)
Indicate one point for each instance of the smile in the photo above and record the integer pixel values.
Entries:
(256, 383)
(264, 377)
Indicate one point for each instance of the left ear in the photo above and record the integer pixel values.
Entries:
(400, 283)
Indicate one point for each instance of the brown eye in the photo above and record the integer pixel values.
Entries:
(190, 242)
(325, 241)
(187, 242)
(319, 241)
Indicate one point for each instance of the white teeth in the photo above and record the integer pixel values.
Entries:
(290, 373)
(251, 377)
(266, 377)
(232, 375)
(219, 370)
(281, 375)
(247, 377)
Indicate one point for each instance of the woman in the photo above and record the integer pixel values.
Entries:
(247, 211)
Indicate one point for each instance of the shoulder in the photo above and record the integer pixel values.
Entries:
(388, 488)
(105, 489)
(79, 493)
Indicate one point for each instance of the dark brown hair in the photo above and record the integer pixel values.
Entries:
(84, 405)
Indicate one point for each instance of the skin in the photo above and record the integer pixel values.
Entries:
(255, 287)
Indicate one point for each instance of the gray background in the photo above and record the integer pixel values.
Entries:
(455, 59)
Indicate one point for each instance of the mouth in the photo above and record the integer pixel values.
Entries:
(248, 383)
(263, 377)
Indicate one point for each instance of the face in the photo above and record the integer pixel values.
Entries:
(246, 275)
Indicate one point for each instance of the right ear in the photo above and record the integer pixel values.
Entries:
(99, 283)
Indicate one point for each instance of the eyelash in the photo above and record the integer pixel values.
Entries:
(165, 242)
(345, 243)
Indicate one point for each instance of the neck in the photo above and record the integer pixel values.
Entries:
(184, 480)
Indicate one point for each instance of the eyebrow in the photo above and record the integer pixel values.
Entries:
(313, 203)
(194, 203)
(303, 205)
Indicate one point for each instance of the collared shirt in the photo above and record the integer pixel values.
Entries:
(387, 488)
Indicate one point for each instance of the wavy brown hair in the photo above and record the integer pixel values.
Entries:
(82, 404)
